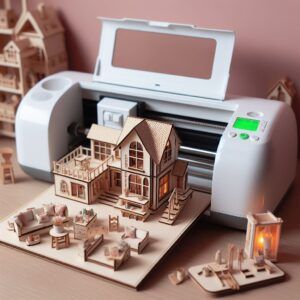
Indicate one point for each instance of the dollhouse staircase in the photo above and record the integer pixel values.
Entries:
(108, 198)
(176, 203)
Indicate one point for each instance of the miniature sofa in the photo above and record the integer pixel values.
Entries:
(26, 222)
(138, 241)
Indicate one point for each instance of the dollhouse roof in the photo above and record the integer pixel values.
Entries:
(153, 134)
(44, 21)
(179, 168)
(19, 45)
(286, 84)
(104, 134)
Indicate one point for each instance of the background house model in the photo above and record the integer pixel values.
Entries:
(31, 47)
(284, 90)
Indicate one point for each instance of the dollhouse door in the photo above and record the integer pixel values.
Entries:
(115, 181)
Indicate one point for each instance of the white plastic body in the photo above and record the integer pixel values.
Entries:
(248, 176)
(212, 88)
(113, 112)
(43, 118)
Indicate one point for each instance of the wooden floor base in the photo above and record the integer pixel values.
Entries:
(162, 238)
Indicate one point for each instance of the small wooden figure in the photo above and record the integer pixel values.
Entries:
(178, 276)
(240, 258)
(230, 257)
(113, 223)
(284, 90)
(6, 167)
(218, 257)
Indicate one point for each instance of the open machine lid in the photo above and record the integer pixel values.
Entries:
(165, 57)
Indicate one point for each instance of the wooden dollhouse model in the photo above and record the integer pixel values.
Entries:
(134, 169)
(31, 47)
(284, 90)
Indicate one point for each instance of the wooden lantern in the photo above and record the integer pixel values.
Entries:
(263, 235)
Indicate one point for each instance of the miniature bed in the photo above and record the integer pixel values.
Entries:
(162, 238)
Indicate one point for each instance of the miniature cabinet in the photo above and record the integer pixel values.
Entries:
(82, 227)
(26, 55)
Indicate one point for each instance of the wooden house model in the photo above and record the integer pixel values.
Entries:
(31, 49)
(284, 90)
(134, 169)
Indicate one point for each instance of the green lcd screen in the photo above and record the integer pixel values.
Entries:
(246, 124)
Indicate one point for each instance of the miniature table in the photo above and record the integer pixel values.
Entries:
(59, 240)
(82, 228)
(80, 160)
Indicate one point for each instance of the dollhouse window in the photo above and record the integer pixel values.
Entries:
(136, 156)
(78, 190)
(117, 153)
(146, 187)
(168, 152)
(117, 179)
(63, 187)
(164, 185)
(101, 150)
(135, 184)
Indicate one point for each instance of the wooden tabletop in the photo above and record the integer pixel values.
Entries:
(26, 277)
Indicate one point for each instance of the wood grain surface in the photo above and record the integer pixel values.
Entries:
(26, 277)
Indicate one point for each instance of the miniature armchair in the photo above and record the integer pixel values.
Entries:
(137, 239)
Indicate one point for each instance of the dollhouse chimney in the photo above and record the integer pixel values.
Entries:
(42, 10)
(24, 6)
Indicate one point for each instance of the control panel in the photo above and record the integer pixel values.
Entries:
(248, 128)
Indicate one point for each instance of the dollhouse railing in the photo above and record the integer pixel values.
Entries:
(66, 165)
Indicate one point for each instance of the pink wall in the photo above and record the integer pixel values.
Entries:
(267, 33)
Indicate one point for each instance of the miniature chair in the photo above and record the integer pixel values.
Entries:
(6, 167)
(113, 223)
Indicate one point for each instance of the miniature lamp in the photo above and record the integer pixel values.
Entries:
(263, 235)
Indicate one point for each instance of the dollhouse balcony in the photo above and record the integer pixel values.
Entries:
(133, 206)
(79, 164)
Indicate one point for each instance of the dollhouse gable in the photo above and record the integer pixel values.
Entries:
(154, 135)
(41, 22)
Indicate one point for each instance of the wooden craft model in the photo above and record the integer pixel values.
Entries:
(283, 90)
(32, 46)
(134, 169)
(222, 277)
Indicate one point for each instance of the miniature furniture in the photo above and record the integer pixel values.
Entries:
(33, 239)
(113, 223)
(216, 280)
(137, 239)
(6, 167)
(82, 225)
(263, 235)
(87, 247)
(59, 240)
(27, 222)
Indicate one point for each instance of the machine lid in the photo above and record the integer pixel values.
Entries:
(165, 57)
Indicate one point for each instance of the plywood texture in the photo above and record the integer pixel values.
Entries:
(162, 238)
(26, 277)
